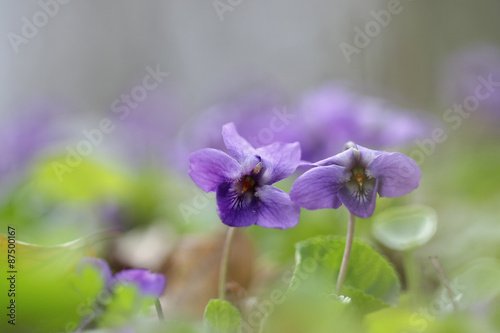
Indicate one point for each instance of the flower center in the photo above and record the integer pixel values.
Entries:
(248, 183)
(359, 175)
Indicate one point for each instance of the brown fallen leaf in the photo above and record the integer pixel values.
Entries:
(192, 272)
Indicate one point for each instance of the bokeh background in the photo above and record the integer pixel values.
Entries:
(246, 62)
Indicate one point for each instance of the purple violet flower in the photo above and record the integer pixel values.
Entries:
(149, 284)
(353, 178)
(243, 179)
(100, 265)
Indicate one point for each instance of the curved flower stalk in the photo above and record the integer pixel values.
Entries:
(353, 178)
(243, 182)
(243, 179)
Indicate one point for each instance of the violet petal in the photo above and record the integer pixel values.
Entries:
(236, 209)
(211, 167)
(280, 161)
(397, 174)
(149, 284)
(276, 210)
(318, 187)
(359, 202)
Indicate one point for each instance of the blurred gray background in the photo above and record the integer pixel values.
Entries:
(90, 52)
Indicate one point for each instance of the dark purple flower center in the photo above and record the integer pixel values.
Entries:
(248, 183)
(359, 175)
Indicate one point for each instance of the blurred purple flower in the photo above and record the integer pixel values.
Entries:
(260, 115)
(242, 181)
(467, 70)
(149, 284)
(100, 265)
(353, 178)
(146, 134)
(23, 138)
(333, 115)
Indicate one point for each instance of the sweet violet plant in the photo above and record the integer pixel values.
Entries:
(243, 182)
(147, 283)
(243, 179)
(353, 178)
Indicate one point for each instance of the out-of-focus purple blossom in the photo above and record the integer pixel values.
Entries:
(467, 70)
(243, 179)
(145, 134)
(23, 138)
(333, 115)
(353, 178)
(261, 116)
(325, 119)
(100, 265)
(149, 284)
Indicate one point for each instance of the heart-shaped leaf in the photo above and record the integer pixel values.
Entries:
(405, 228)
(371, 282)
(221, 317)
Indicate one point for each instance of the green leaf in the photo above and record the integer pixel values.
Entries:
(125, 303)
(405, 228)
(89, 181)
(221, 317)
(45, 285)
(371, 282)
(309, 313)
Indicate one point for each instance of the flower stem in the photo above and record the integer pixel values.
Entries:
(411, 274)
(224, 263)
(444, 280)
(347, 253)
(159, 310)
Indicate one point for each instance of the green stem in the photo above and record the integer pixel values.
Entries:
(159, 310)
(224, 263)
(444, 280)
(411, 273)
(347, 253)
